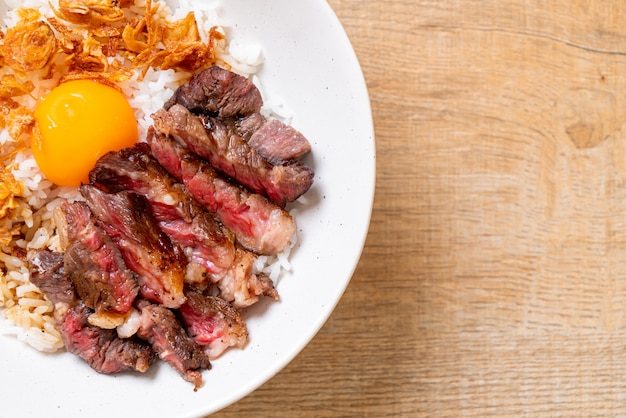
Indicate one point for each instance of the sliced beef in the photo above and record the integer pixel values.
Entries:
(246, 126)
(147, 250)
(218, 143)
(195, 237)
(219, 91)
(188, 224)
(213, 323)
(175, 210)
(47, 272)
(94, 263)
(102, 349)
(279, 143)
(258, 224)
(239, 284)
(169, 339)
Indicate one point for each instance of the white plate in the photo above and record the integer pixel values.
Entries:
(309, 62)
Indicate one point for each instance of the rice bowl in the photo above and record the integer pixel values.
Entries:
(309, 64)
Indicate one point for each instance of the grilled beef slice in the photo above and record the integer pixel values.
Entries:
(48, 274)
(246, 126)
(102, 349)
(213, 323)
(147, 250)
(228, 153)
(187, 224)
(279, 143)
(177, 213)
(258, 224)
(169, 339)
(93, 261)
(218, 91)
(274, 140)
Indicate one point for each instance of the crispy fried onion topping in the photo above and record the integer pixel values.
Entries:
(30, 45)
(10, 190)
(17, 119)
(159, 43)
(90, 12)
(105, 39)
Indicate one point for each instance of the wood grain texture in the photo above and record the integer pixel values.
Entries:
(493, 279)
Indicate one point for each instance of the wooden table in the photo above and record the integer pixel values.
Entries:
(493, 279)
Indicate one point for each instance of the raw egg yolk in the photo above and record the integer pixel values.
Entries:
(77, 123)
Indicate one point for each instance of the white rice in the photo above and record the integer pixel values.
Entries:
(29, 313)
